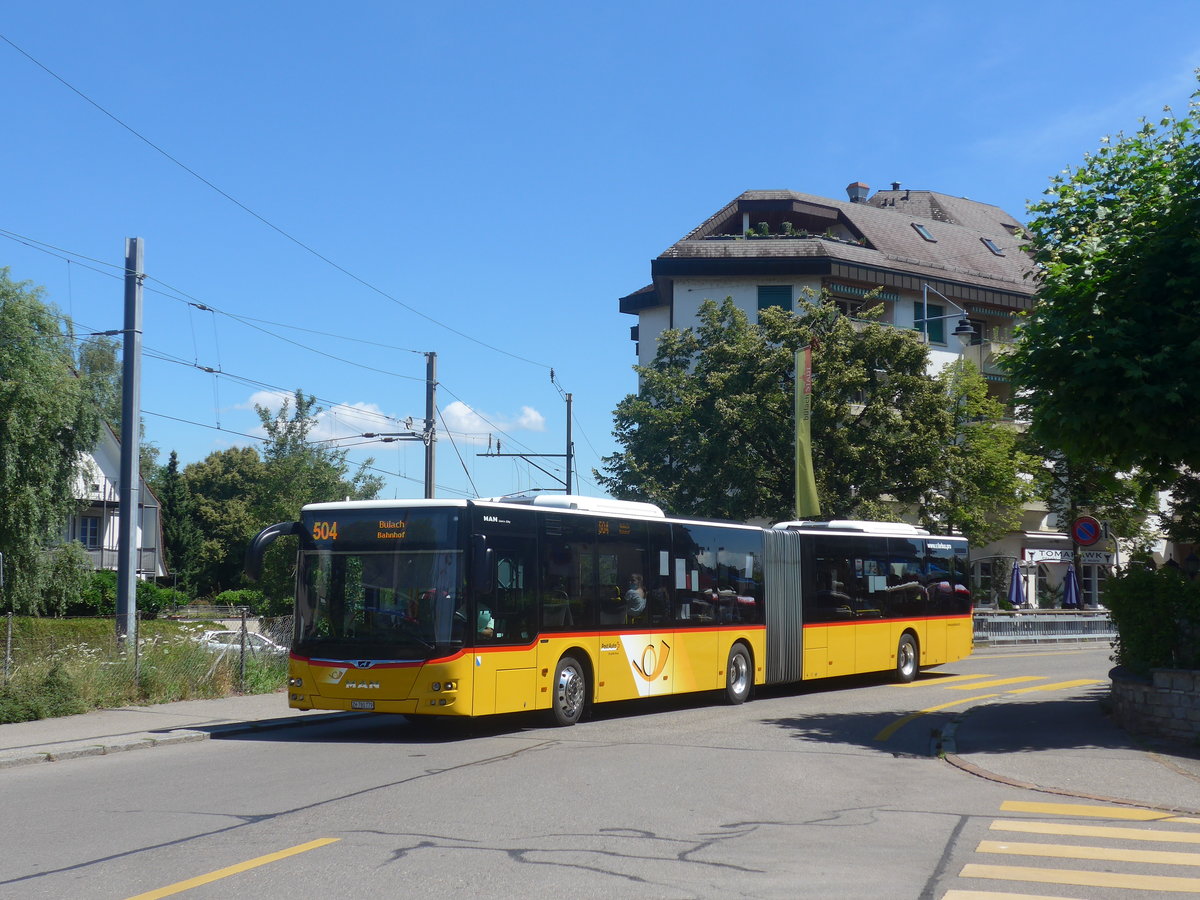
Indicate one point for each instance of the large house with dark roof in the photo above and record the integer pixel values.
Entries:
(935, 260)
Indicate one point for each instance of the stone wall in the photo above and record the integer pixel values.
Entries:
(1165, 705)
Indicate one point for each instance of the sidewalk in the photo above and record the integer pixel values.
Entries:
(142, 727)
(1068, 747)
(1072, 749)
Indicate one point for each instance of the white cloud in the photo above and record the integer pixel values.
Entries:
(474, 427)
(338, 422)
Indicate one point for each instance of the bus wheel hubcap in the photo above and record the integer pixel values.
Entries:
(570, 691)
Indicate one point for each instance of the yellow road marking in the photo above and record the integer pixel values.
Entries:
(978, 655)
(1057, 686)
(1082, 809)
(997, 895)
(933, 681)
(180, 886)
(997, 683)
(1084, 879)
(1105, 831)
(1075, 851)
(900, 723)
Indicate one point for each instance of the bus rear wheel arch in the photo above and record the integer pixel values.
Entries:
(739, 675)
(569, 691)
(907, 658)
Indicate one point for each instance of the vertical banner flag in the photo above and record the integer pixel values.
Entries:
(806, 483)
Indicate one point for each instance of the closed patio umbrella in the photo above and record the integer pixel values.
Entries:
(1016, 587)
(1071, 589)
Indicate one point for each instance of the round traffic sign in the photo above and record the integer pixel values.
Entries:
(1086, 530)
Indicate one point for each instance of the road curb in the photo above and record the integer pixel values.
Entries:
(947, 750)
(959, 763)
(145, 740)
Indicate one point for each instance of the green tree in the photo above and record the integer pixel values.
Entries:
(181, 535)
(237, 492)
(48, 420)
(1109, 358)
(225, 487)
(985, 477)
(711, 430)
(1126, 502)
(297, 471)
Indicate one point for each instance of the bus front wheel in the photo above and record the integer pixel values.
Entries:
(906, 659)
(738, 675)
(570, 691)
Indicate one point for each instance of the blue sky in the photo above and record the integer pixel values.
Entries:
(484, 181)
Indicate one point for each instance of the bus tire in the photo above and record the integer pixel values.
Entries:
(570, 691)
(739, 676)
(906, 659)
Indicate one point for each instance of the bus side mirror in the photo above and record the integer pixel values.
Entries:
(263, 540)
(481, 564)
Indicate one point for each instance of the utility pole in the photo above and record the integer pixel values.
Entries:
(430, 420)
(131, 378)
(569, 455)
(570, 445)
(428, 435)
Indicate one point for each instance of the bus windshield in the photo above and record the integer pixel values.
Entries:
(377, 605)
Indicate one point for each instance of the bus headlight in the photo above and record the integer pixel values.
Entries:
(295, 682)
(437, 685)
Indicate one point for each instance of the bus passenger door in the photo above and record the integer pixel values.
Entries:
(503, 628)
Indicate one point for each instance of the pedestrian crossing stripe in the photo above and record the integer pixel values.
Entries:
(1057, 686)
(997, 895)
(1115, 832)
(1084, 809)
(1082, 878)
(1019, 679)
(938, 680)
(1076, 851)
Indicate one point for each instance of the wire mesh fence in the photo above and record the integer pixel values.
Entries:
(63, 666)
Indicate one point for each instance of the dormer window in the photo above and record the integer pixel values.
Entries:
(991, 245)
(924, 232)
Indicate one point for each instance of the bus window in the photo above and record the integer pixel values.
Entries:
(739, 577)
(568, 570)
(660, 587)
(697, 585)
(906, 578)
(622, 572)
(849, 579)
(508, 614)
(946, 578)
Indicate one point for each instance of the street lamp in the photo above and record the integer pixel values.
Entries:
(965, 331)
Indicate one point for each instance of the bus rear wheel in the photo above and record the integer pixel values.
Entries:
(738, 675)
(570, 691)
(906, 659)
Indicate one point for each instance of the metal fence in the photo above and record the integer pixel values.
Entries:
(54, 666)
(1043, 626)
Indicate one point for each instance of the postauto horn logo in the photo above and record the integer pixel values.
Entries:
(653, 662)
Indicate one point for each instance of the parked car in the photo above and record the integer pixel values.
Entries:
(231, 642)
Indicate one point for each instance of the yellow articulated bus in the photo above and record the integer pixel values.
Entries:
(477, 607)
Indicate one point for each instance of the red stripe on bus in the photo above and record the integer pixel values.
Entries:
(843, 624)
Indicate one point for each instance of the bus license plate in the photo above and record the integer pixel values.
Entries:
(362, 704)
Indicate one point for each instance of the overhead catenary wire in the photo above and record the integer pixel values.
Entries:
(174, 293)
(295, 240)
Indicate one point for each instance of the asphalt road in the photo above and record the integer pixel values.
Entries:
(827, 791)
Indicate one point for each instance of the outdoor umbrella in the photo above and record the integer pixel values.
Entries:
(1071, 589)
(1016, 588)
